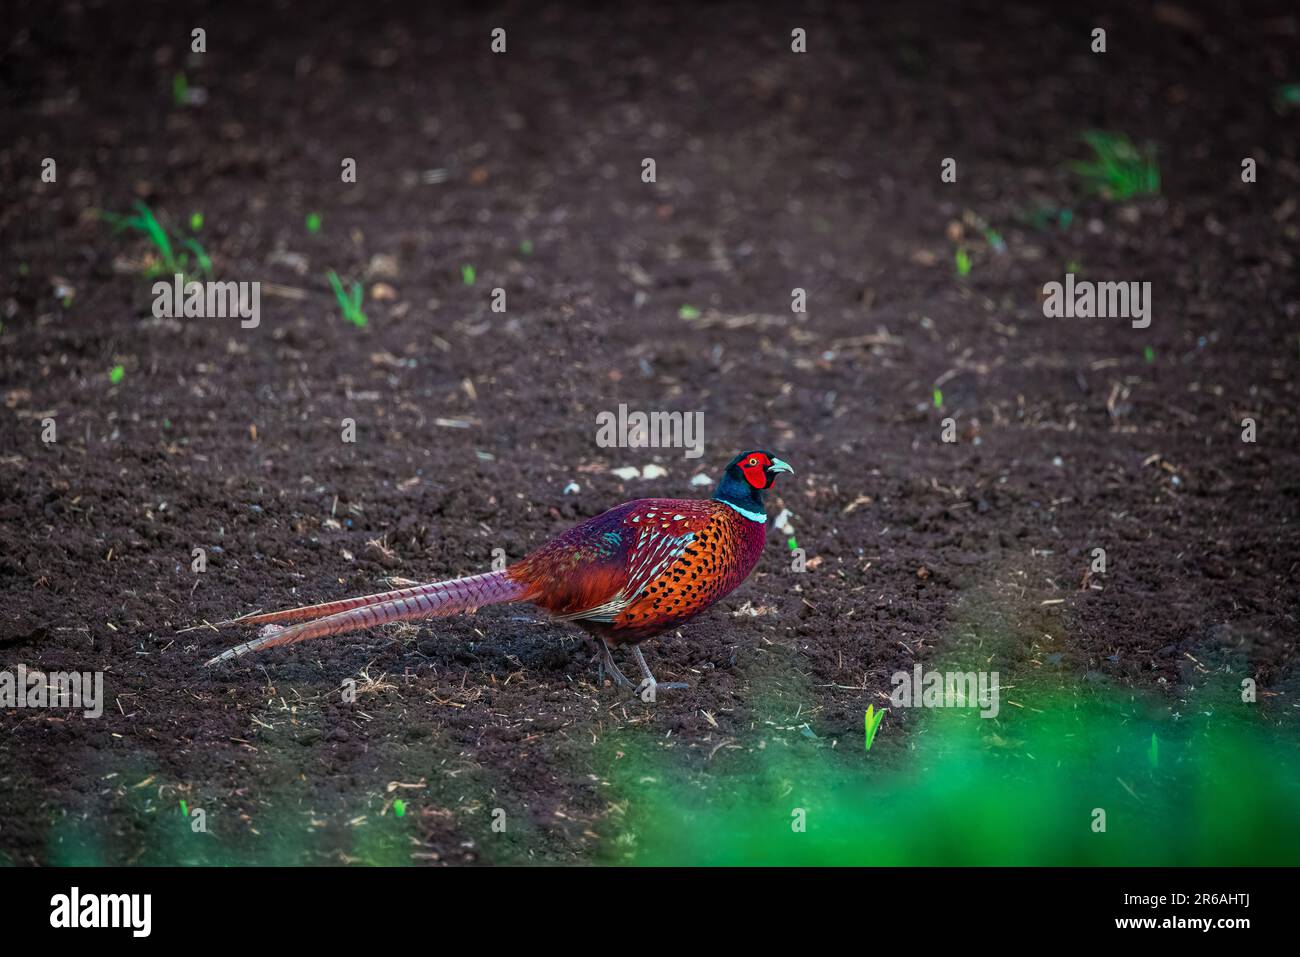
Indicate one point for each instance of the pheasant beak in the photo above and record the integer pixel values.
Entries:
(779, 466)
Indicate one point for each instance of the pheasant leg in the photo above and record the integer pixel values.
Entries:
(650, 681)
(607, 661)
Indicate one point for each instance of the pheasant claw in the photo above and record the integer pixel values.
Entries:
(649, 687)
(607, 661)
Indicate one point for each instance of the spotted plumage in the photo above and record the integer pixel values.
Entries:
(630, 573)
(716, 558)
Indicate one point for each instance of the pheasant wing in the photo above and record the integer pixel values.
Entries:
(593, 571)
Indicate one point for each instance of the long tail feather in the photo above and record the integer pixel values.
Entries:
(435, 600)
(303, 612)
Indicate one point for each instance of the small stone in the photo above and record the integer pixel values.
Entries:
(382, 266)
(782, 522)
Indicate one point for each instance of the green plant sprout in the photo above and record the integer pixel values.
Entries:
(526, 247)
(1120, 170)
(185, 811)
(938, 398)
(399, 808)
(349, 303)
(963, 262)
(180, 89)
(116, 374)
(1149, 353)
(196, 221)
(313, 222)
(791, 543)
(1153, 752)
(688, 312)
(871, 723)
(468, 275)
(1040, 217)
(1288, 96)
(168, 260)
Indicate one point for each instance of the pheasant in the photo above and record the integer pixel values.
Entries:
(635, 571)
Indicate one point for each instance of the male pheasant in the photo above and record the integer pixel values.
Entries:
(633, 572)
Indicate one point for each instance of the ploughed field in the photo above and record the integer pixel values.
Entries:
(523, 171)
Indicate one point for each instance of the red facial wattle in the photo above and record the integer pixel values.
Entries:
(754, 468)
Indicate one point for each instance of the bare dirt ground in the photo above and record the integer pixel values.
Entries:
(774, 171)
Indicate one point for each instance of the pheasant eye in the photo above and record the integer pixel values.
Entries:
(753, 462)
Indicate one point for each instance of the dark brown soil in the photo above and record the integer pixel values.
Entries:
(774, 171)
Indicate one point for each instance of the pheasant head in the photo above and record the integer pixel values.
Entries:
(747, 477)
